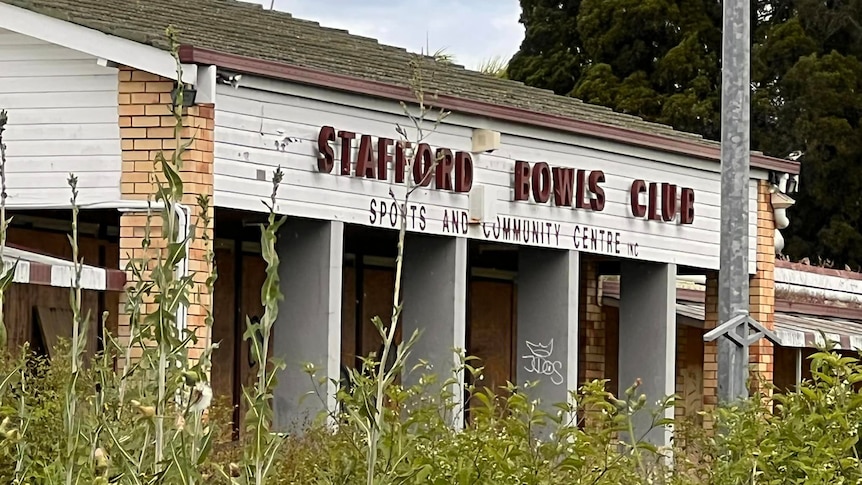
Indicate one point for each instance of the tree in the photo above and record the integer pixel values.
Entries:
(660, 59)
(551, 55)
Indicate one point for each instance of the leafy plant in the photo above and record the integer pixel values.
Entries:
(262, 446)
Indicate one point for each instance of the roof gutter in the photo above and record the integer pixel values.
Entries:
(302, 75)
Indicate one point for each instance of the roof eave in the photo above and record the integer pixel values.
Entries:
(93, 42)
(302, 75)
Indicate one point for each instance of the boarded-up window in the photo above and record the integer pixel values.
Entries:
(54, 324)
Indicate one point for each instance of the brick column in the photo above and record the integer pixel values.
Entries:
(762, 299)
(591, 333)
(147, 127)
(710, 349)
(681, 411)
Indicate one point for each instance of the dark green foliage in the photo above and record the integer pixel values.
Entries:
(551, 56)
(660, 59)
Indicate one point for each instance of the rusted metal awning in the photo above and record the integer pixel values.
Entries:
(39, 269)
(795, 330)
(798, 325)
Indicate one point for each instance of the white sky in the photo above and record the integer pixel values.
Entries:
(471, 30)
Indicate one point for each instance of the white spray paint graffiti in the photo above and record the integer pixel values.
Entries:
(540, 361)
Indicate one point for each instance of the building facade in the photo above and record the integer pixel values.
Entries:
(528, 207)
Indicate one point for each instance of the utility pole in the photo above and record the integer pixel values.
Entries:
(733, 332)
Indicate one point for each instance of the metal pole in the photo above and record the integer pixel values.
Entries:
(735, 153)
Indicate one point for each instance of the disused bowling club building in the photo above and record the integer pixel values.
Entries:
(536, 201)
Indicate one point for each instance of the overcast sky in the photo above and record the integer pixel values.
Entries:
(471, 30)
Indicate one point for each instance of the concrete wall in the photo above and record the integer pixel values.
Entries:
(435, 296)
(547, 326)
(648, 337)
(308, 329)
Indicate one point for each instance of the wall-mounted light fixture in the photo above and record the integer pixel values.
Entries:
(231, 80)
(189, 94)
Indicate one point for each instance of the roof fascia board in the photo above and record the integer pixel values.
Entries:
(277, 86)
(92, 42)
(192, 55)
(818, 281)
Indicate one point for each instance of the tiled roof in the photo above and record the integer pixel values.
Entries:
(248, 30)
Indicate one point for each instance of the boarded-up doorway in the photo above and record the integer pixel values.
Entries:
(378, 286)
(491, 333)
(368, 292)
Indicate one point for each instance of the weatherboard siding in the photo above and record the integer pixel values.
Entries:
(63, 119)
(249, 122)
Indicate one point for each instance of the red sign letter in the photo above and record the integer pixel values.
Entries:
(443, 171)
(686, 215)
(326, 158)
(345, 136)
(541, 182)
(522, 180)
(365, 159)
(564, 178)
(383, 157)
(463, 172)
(422, 165)
(597, 177)
(638, 188)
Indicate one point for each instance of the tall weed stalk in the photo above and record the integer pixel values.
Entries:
(79, 344)
(7, 272)
(261, 447)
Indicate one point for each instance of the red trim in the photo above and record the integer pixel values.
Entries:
(818, 310)
(851, 275)
(40, 274)
(194, 55)
(115, 280)
(612, 289)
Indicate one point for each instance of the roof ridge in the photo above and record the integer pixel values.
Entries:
(251, 31)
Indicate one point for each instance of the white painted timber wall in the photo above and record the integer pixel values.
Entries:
(62, 110)
(250, 119)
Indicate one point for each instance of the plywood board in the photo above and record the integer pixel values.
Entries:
(57, 323)
(491, 331)
(692, 371)
(348, 317)
(378, 285)
(224, 325)
(612, 349)
(253, 276)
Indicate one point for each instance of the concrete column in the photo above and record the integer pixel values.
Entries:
(435, 303)
(547, 329)
(308, 329)
(648, 337)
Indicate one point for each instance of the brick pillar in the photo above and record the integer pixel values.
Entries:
(147, 127)
(710, 349)
(591, 334)
(762, 299)
(680, 411)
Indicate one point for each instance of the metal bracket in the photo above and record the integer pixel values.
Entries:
(730, 328)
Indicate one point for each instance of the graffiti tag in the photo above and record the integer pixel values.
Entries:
(540, 361)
